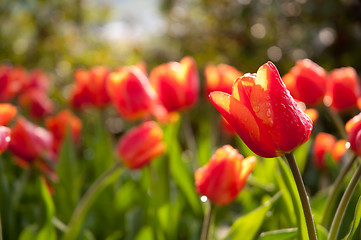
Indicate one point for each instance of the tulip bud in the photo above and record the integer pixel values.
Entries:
(141, 144)
(176, 83)
(263, 113)
(224, 176)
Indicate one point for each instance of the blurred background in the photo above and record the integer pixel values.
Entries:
(59, 36)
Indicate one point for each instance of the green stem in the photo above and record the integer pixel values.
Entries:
(207, 223)
(334, 191)
(84, 204)
(303, 196)
(190, 138)
(1, 229)
(336, 119)
(19, 189)
(335, 226)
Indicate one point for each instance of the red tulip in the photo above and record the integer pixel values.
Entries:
(59, 124)
(177, 84)
(307, 82)
(37, 102)
(12, 81)
(323, 144)
(39, 80)
(7, 113)
(4, 138)
(90, 88)
(353, 128)
(220, 78)
(224, 176)
(141, 144)
(263, 113)
(131, 92)
(344, 88)
(30, 142)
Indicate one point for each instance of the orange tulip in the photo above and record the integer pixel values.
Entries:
(220, 78)
(4, 138)
(224, 176)
(7, 113)
(90, 88)
(37, 102)
(131, 92)
(141, 144)
(307, 82)
(263, 113)
(323, 144)
(339, 149)
(177, 84)
(30, 142)
(353, 128)
(59, 124)
(344, 88)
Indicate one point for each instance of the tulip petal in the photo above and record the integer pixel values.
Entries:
(243, 122)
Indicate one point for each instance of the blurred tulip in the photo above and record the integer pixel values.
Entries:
(344, 88)
(59, 124)
(37, 102)
(224, 176)
(339, 149)
(90, 88)
(7, 113)
(353, 128)
(39, 80)
(263, 113)
(131, 92)
(177, 84)
(312, 113)
(323, 144)
(30, 142)
(4, 138)
(141, 144)
(220, 78)
(12, 79)
(307, 82)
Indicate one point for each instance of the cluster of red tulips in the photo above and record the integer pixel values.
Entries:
(272, 115)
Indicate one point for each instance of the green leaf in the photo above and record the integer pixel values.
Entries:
(204, 143)
(291, 190)
(245, 151)
(47, 232)
(281, 234)
(178, 168)
(301, 155)
(322, 232)
(67, 190)
(356, 220)
(242, 229)
(145, 233)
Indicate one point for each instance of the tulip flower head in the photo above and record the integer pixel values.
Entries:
(176, 84)
(344, 88)
(4, 138)
(90, 88)
(12, 80)
(353, 128)
(131, 92)
(323, 144)
(220, 78)
(59, 124)
(263, 113)
(307, 82)
(141, 144)
(224, 176)
(30, 142)
(7, 113)
(37, 103)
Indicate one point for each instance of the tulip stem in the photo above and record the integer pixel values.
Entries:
(334, 191)
(1, 229)
(303, 196)
(336, 119)
(207, 223)
(335, 226)
(84, 203)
